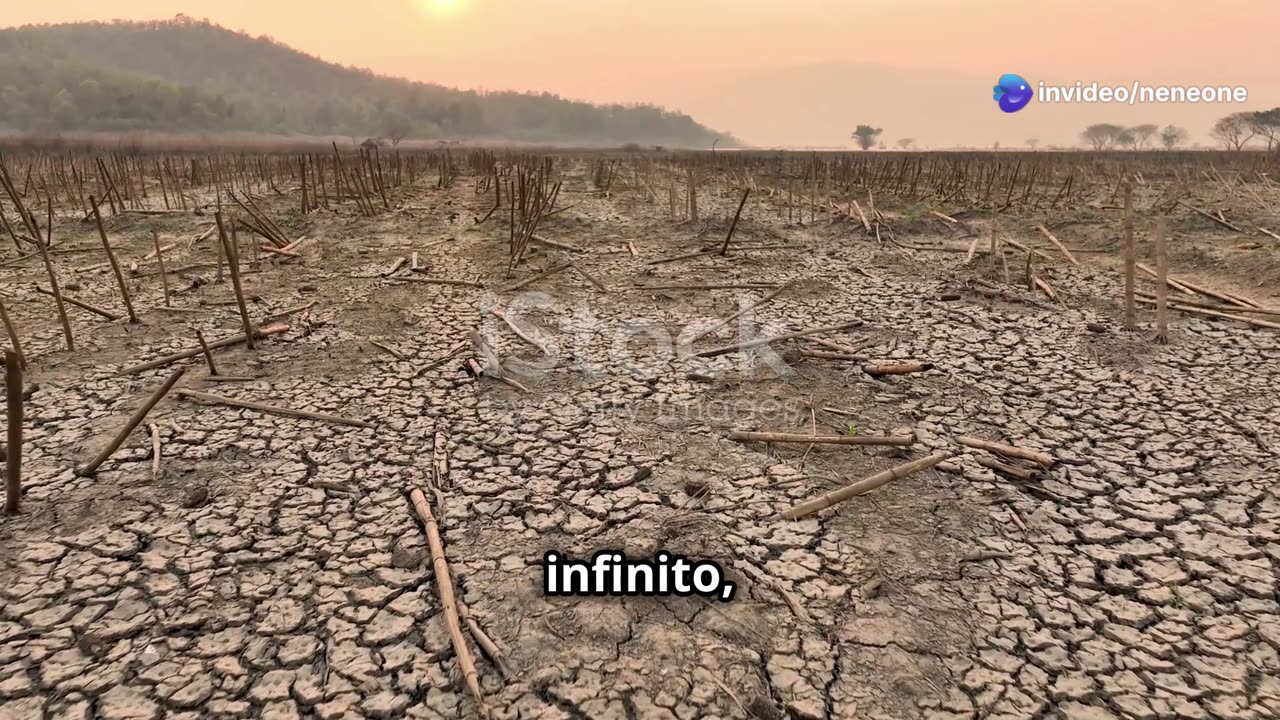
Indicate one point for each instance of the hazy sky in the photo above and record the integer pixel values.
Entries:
(676, 52)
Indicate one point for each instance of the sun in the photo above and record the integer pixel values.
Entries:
(438, 7)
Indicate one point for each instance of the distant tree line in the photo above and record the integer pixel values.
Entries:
(192, 75)
(1235, 131)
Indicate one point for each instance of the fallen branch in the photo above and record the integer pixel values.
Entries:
(439, 281)
(225, 342)
(590, 278)
(1187, 287)
(1025, 474)
(272, 409)
(134, 420)
(898, 369)
(448, 601)
(1044, 459)
(1220, 221)
(747, 345)
(711, 286)
(1192, 310)
(552, 243)
(155, 449)
(775, 437)
(822, 502)
(80, 304)
(540, 276)
(1057, 244)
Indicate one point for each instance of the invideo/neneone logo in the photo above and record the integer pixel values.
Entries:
(1012, 92)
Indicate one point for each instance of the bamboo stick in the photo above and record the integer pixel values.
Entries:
(115, 266)
(898, 369)
(448, 601)
(1058, 244)
(1130, 311)
(164, 277)
(765, 341)
(1162, 286)
(272, 409)
(208, 356)
(724, 248)
(81, 304)
(540, 276)
(13, 446)
(1007, 450)
(134, 420)
(776, 437)
(233, 264)
(822, 502)
(12, 332)
(43, 246)
(1194, 310)
(225, 342)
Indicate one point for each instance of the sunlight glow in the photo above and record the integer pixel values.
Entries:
(438, 7)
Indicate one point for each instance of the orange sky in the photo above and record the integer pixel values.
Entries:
(672, 51)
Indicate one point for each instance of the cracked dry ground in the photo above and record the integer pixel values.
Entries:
(1138, 579)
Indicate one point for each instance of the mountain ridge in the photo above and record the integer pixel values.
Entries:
(193, 75)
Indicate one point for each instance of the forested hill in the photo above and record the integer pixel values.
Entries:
(186, 75)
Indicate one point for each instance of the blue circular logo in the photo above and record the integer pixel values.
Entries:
(1012, 92)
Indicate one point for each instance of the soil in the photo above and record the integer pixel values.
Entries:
(274, 568)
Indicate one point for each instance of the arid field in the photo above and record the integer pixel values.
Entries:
(516, 352)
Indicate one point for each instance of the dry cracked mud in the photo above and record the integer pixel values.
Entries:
(274, 568)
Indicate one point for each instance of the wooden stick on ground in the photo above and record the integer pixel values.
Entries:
(439, 281)
(482, 639)
(540, 276)
(1044, 459)
(1013, 470)
(775, 437)
(898, 369)
(1212, 217)
(115, 265)
(164, 277)
(208, 356)
(448, 601)
(1150, 298)
(155, 449)
(749, 344)
(1193, 310)
(80, 304)
(233, 264)
(43, 247)
(134, 420)
(225, 342)
(1130, 311)
(13, 335)
(272, 409)
(1162, 286)
(388, 349)
(734, 225)
(822, 502)
(590, 278)
(13, 446)
(1058, 244)
(721, 323)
